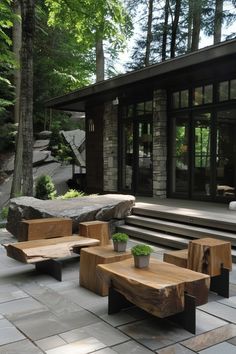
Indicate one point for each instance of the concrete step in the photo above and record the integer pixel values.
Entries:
(175, 228)
(187, 216)
(155, 237)
(158, 238)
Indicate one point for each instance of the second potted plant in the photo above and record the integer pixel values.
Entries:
(141, 253)
(120, 241)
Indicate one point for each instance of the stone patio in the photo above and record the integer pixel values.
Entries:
(41, 315)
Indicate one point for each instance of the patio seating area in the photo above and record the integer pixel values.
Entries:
(38, 314)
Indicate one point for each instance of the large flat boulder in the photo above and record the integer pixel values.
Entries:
(99, 207)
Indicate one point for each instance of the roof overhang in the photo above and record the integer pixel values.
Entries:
(76, 100)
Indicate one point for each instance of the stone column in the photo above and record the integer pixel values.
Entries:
(159, 143)
(110, 148)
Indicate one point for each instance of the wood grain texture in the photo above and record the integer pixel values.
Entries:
(96, 229)
(158, 289)
(36, 229)
(39, 250)
(90, 258)
(207, 254)
(179, 258)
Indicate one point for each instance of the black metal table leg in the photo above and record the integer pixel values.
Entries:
(52, 267)
(220, 283)
(187, 318)
(117, 301)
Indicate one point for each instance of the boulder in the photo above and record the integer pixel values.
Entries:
(97, 207)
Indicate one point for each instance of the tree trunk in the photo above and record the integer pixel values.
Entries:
(197, 9)
(165, 31)
(175, 28)
(149, 34)
(27, 9)
(190, 24)
(99, 60)
(218, 21)
(16, 39)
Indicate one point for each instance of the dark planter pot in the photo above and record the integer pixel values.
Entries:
(141, 261)
(119, 246)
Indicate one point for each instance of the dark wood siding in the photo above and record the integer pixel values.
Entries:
(94, 148)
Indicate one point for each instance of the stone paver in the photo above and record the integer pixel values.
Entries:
(219, 349)
(41, 315)
(83, 346)
(8, 333)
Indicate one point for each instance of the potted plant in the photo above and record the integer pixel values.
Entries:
(141, 253)
(120, 241)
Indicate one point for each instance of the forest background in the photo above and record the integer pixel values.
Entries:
(51, 47)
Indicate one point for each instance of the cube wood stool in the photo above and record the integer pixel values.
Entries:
(90, 258)
(96, 229)
(206, 255)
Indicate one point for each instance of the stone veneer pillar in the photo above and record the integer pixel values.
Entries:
(110, 148)
(159, 143)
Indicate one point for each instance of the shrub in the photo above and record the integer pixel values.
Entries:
(72, 193)
(4, 213)
(120, 237)
(141, 250)
(45, 188)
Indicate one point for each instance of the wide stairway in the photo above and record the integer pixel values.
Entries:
(173, 227)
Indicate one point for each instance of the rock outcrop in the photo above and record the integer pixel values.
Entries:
(99, 207)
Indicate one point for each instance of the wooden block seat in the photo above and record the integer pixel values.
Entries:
(90, 258)
(46, 253)
(162, 289)
(36, 229)
(96, 229)
(209, 256)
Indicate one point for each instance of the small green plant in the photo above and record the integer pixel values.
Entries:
(120, 237)
(141, 250)
(72, 193)
(45, 188)
(4, 213)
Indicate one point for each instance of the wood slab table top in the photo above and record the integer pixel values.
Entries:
(158, 289)
(41, 250)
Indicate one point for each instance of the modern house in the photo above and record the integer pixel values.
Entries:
(168, 130)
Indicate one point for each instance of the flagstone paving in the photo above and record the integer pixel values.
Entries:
(41, 315)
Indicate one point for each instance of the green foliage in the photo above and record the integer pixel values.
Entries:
(45, 188)
(7, 62)
(89, 20)
(72, 193)
(7, 137)
(141, 250)
(120, 237)
(4, 213)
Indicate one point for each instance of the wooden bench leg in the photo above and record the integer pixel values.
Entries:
(52, 267)
(187, 318)
(117, 301)
(220, 283)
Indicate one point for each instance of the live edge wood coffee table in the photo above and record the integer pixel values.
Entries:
(162, 289)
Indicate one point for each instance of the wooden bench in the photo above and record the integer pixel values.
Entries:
(37, 229)
(162, 289)
(209, 256)
(47, 254)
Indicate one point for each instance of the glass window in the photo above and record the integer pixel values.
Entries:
(140, 108)
(224, 91)
(208, 94)
(233, 89)
(148, 106)
(184, 98)
(175, 98)
(198, 96)
(130, 111)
